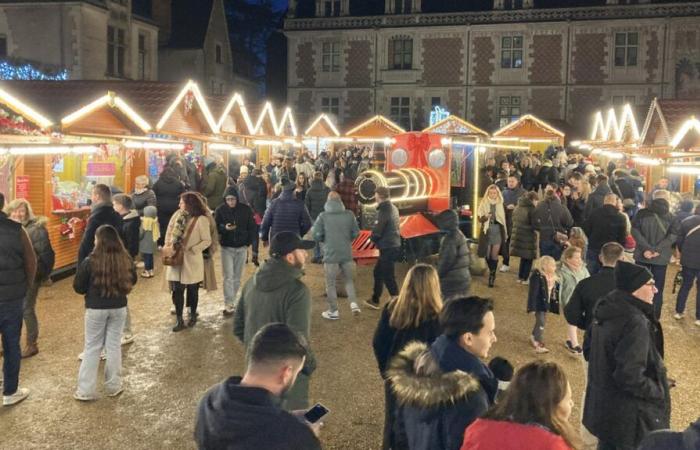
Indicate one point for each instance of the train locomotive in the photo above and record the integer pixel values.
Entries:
(417, 174)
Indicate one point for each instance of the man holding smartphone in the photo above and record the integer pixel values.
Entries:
(245, 413)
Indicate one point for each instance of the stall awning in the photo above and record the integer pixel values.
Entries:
(376, 127)
(454, 125)
(530, 129)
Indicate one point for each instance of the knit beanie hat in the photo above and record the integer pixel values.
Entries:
(630, 277)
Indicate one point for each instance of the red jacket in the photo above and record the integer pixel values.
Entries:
(501, 435)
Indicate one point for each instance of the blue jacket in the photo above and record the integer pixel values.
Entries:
(442, 390)
(286, 213)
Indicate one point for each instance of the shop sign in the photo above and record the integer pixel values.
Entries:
(22, 186)
(101, 169)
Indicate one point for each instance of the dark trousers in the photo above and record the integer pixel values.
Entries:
(147, 261)
(179, 297)
(592, 262)
(659, 274)
(256, 240)
(384, 272)
(11, 329)
(550, 248)
(505, 253)
(163, 221)
(525, 268)
(689, 275)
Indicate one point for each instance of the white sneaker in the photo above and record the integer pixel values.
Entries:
(116, 393)
(355, 308)
(678, 316)
(127, 339)
(103, 355)
(21, 394)
(140, 265)
(697, 323)
(524, 282)
(83, 398)
(330, 315)
(172, 310)
(504, 268)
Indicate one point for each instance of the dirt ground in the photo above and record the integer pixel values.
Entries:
(165, 374)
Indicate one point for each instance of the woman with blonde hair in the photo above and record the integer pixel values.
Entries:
(411, 316)
(571, 270)
(533, 413)
(142, 196)
(542, 298)
(492, 217)
(20, 210)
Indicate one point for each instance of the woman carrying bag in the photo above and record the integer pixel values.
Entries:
(188, 235)
(493, 235)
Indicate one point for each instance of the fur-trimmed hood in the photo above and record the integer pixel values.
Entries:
(417, 380)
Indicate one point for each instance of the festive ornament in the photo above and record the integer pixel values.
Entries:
(189, 102)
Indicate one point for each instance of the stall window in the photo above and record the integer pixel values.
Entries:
(401, 53)
(142, 57)
(401, 111)
(331, 57)
(115, 51)
(330, 105)
(508, 110)
(512, 52)
(626, 46)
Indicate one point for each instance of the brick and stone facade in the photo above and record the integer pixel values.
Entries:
(470, 63)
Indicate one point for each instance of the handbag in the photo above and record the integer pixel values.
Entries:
(178, 256)
(559, 237)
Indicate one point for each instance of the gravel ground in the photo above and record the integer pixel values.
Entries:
(165, 374)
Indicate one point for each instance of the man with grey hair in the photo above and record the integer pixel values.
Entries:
(655, 231)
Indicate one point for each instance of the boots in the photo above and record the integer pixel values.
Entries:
(193, 318)
(179, 325)
(492, 278)
(256, 263)
(30, 350)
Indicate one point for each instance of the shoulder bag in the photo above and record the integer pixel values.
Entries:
(178, 255)
(559, 237)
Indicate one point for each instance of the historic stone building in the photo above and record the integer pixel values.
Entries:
(400, 58)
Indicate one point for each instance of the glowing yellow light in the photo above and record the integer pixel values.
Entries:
(227, 147)
(23, 109)
(453, 118)
(475, 199)
(112, 100)
(613, 129)
(526, 117)
(612, 155)
(191, 86)
(49, 149)
(337, 139)
(122, 106)
(484, 145)
(154, 145)
(237, 99)
(267, 142)
(688, 170)
(627, 119)
(391, 125)
(537, 141)
(287, 117)
(504, 138)
(266, 111)
(575, 143)
(322, 118)
(647, 161)
(690, 124)
(87, 109)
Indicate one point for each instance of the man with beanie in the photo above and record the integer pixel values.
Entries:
(627, 395)
(286, 213)
(276, 293)
(386, 237)
(237, 230)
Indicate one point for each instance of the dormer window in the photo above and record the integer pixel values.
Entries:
(402, 6)
(331, 8)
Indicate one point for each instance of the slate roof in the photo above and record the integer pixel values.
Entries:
(667, 116)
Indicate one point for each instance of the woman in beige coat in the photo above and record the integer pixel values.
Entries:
(188, 276)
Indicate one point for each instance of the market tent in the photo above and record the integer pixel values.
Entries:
(665, 118)
(27, 113)
(322, 127)
(376, 127)
(189, 114)
(266, 124)
(286, 127)
(530, 129)
(454, 125)
(235, 118)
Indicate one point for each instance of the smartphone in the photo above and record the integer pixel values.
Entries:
(316, 413)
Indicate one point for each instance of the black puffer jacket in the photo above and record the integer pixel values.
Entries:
(241, 217)
(102, 214)
(453, 264)
(131, 231)
(523, 241)
(45, 255)
(596, 198)
(385, 233)
(626, 369)
(316, 197)
(689, 243)
(84, 284)
(605, 224)
(145, 198)
(654, 229)
(253, 192)
(168, 189)
(550, 216)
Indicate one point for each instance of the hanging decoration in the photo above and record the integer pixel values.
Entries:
(69, 228)
(14, 124)
(9, 71)
(188, 102)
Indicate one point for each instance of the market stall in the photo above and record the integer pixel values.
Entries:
(530, 131)
(375, 134)
(321, 135)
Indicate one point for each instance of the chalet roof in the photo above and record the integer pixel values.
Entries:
(190, 22)
(665, 118)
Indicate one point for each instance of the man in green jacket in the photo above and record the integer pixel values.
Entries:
(214, 184)
(276, 294)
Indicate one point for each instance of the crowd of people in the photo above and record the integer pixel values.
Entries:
(592, 248)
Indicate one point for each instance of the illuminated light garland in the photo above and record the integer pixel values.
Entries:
(287, 117)
(613, 129)
(687, 170)
(526, 117)
(319, 119)
(113, 101)
(269, 112)
(688, 125)
(612, 155)
(23, 109)
(647, 161)
(453, 118)
(153, 145)
(10, 71)
(504, 138)
(192, 87)
(381, 119)
(268, 142)
(575, 143)
(122, 106)
(237, 99)
(536, 141)
(485, 145)
(49, 149)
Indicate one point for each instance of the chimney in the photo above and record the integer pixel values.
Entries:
(162, 14)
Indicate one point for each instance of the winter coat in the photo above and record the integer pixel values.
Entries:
(149, 226)
(192, 269)
(253, 192)
(626, 369)
(568, 279)
(286, 213)
(241, 216)
(485, 434)
(13, 275)
(276, 293)
(603, 225)
(689, 244)
(441, 390)
(454, 257)
(528, 179)
(548, 174)
(577, 209)
(551, 216)
(145, 198)
(499, 220)
(316, 197)
(671, 440)
(624, 188)
(102, 214)
(337, 229)
(385, 233)
(214, 185)
(539, 297)
(653, 229)
(510, 198)
(596, 199)
(83, 284)
(45, 255)
(523, 241)
(579, 309)
(235, 417)
(168, 190)
(131, 230)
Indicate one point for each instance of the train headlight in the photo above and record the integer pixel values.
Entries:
(437, 158)
(399, 157)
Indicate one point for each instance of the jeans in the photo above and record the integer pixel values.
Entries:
(179, 297)
(659, 274)
(524, 269)
(147, 261)
(538, 329)
(127, 323)
(331, 271)
(11, 330)
(384, 272)
(103, 329)
(592, 262)
(689, 275)
(550, 248)
(318, 256)
(30, 320)
(232, 263)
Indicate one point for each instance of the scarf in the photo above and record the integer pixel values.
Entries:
(485, 209)
(178, 233)
(151, 224)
